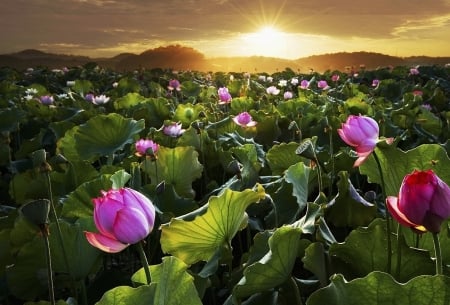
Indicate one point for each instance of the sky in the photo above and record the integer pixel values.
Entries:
(278, 28)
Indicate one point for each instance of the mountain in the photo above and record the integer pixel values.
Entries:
(179, 57)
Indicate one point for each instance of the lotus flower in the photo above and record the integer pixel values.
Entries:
(173, 130)
(224, 95)
(361, 132)
(322, 84)
(304, 84)
(143, 147)
(122, 217)
(272, 90)
(423, 202)
(244, 119)
(174, 85)
(100, 100)
(288, 95)
(46, 99)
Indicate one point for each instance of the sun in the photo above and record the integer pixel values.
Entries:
(267, 41)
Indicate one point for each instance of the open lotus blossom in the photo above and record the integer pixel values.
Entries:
(282, 83)
(244, 119)
(100, 99)
(224, 95)
(304, 84)
(122, 217)
(46, 99)
(335, 77)
(362, 133)
(145, 146)
(375, 83)
(414, 71)
(174, 84)
(423, 202)
(288, 95)
(322, 84)
(173, 130)
(272, 90)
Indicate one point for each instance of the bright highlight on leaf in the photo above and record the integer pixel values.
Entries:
(198, 240)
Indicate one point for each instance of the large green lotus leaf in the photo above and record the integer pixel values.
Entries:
(285, 208)
(198, 239)
(10, 119)
(268, 130)
(81, 256)
(315, 260)
(281, 156)
(78, 203)
(102, 135)
(395, 164)
(154, 111)
(174, 285)
(364, 251)
(177, 166)
(241, 104)
(247, 155)
(187, 113)
(348, 208)
(129, 100)
(379, 288)
(221, 127)
(58, 302)
(275, 267)
(125, 295)
(127, 85)
(26, 186)
(298, 176)
(82, 87)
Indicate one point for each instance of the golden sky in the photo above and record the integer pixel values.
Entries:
(280, 28)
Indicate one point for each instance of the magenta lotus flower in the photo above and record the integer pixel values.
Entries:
(174, 85)
(244, 119)
(361, 132)
(122, 217)
(304, 84)
(143, 147)
(322, 84)
(414, 71)
(335, 77)
(224, 95)
(375, 83)
(423, 202)
(46, 99)
(173, 130)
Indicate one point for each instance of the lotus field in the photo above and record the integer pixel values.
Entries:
(166, 187)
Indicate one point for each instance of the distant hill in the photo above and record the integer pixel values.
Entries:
(185, 58)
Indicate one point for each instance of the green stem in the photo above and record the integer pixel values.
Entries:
(51, 289)
(399, 250)
(144, 261)
(295, 290)
(437, 250)
(388, 224)
(58, 228)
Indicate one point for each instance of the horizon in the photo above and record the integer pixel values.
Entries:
(227, 28)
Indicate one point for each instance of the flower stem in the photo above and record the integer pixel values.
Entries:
(388, 223)
(437, 250)
(144, 261)
(44, 231)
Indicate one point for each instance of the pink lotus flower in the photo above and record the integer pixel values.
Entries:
(272, 90)
(361, 132)
(322, 84)
(174, 85)
(89, 97)
(143, 147)
(244, 119)
(414, 71)
(335, 77)
(122, 217)
(173, 130)
(100, 99)
(288, 95)
(46, 100)
(375, 83)
(417, 93)
(423, 202)
(224, 95)
(304, 84)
